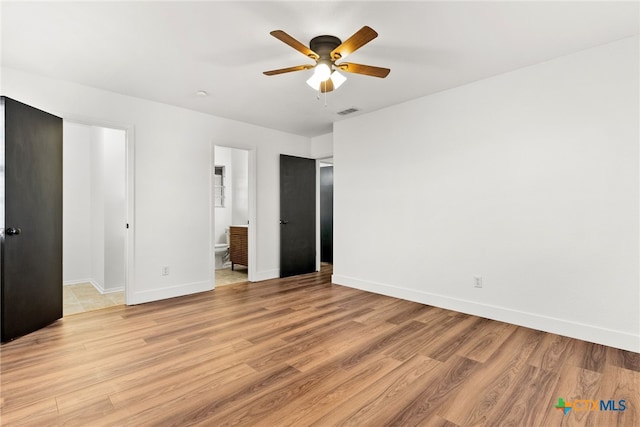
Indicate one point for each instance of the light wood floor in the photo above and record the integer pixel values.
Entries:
(299, 352)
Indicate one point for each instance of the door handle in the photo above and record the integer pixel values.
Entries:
(283, 222)
(12, 231)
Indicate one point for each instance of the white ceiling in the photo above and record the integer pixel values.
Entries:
(166, 51)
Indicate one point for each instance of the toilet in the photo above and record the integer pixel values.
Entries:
(222, 252)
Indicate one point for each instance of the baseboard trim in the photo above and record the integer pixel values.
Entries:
(80, 281)
(95, 285)
(142, 297)
(266, 275)
(595, 334)
(77, 282)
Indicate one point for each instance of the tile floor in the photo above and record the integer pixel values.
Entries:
(85, 297)
(226, 277)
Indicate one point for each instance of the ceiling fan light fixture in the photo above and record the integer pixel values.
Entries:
(322, 71)
(337, 79)
(314, 82)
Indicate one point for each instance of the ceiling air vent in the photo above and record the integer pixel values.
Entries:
(347, 111)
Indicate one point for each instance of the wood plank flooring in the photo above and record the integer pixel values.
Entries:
(303, 352)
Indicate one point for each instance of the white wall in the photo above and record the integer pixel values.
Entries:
(240, 184)
(172, 224)
(529, 179)
(322, 146)
(114, 208)
(223, 215)
(97, 207)
(76, 218)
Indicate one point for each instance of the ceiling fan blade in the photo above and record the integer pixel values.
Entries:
(287, 70)
(326, 86)
(286, 38)
(368, 70)
(363, 36)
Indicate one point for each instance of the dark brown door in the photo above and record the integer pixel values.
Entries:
(326, 214)
(31, 233)
(297, 215)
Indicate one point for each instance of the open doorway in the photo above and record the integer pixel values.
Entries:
(94, 217)
(232, 195)
(326, 211)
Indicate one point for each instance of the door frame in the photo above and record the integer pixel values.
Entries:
(129, 258)
(252, 229)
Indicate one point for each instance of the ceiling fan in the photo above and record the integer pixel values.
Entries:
(326, 50)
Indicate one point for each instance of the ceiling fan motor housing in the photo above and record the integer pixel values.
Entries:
(324, 45)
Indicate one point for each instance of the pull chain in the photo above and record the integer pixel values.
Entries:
(320, 92)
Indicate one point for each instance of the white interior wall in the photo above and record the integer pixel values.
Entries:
(114, 208)
(529, 180)
(76, 218)
(97, 207)
(172, 224)
(223, 215)
(322, 146)
(240, 184)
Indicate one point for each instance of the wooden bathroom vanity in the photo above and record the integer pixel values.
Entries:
(238, 243)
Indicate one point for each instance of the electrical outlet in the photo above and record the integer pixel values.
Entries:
(165, 270)
(477, 282)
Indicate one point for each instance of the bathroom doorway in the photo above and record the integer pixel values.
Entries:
(232, 196)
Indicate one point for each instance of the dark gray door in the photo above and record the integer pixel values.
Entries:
(326, 214)
(297, 215)
(31, 238)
